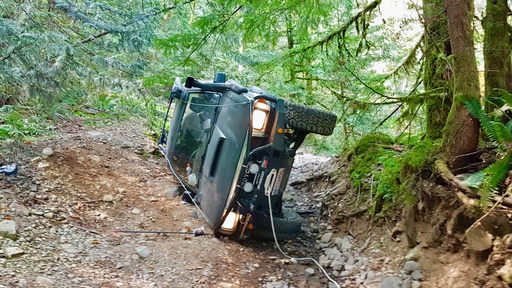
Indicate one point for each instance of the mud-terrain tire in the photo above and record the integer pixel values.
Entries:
(309, 119)
(287, 227)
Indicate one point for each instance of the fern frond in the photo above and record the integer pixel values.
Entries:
(503, 134)
(476, 110)
(475, 180)
(494, 175)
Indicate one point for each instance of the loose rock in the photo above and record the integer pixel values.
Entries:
(411, 266)
(416, 275)
(506, 272)
(309, 272)
(8, 229)
(326, 237)
(143, 251)
(44, 281)
(390, 282)
(478, 239)
(48, 151)
(13, 251)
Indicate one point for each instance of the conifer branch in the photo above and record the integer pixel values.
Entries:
(74, 13)
(359, 102)
(341, 31)
(220, 24)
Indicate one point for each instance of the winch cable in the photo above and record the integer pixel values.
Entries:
(294, 258)
(162, 150)
(195, 232)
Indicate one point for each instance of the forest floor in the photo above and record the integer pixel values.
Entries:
(75, 189)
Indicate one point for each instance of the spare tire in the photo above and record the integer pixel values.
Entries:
(287, 227)
(309, 119)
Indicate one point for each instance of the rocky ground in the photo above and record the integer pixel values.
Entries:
(59, 217)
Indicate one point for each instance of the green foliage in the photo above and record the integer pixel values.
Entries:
(486, 181)
(82, 58)
(422, 153)
(319, 53)
(376, 168)
(20, 125)
(387, 170)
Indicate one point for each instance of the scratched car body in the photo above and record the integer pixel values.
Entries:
(233, 147)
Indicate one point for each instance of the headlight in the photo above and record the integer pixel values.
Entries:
(230, 222)
(260, 114)
(258, 119)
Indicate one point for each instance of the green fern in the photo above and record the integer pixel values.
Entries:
(476, 110)
(495, 173)
(487, 181)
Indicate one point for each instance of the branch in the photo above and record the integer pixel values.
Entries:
(8, 55)
(343, 97)
(411, 58)
(368, 86)
(92, 38)
(67, 8)
(342, 30)
(205, 38)
(389, 116)
(445, 173)
(410, 122)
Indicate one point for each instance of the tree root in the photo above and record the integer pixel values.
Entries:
(445, 173)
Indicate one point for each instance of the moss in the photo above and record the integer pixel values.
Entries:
(419, 158)
(370, 142)
(387, 173)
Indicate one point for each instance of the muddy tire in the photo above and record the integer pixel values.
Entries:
(287, 227)
(309, 119)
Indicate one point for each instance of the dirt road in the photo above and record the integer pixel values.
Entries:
(66, 205)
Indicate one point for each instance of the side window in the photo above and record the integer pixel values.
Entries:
(193, 135)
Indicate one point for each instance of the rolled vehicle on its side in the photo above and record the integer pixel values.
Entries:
(233, 147)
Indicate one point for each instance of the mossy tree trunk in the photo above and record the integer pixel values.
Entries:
(461, 132)
(496, 50)
(436, 72)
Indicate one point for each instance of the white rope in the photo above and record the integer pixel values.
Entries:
(294, 258)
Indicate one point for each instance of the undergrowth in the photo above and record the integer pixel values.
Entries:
(19, 123)
(26, 121)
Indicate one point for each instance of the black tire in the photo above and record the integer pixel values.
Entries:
(287, 227)
(309, 119)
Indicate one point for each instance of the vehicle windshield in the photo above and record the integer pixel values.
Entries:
(194, 134)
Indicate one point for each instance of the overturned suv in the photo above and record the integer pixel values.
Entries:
(232, 148)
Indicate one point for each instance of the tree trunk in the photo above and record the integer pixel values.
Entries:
(436, 72)
(461, 133)
(496, 50)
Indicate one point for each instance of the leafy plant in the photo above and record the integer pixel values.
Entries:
(486, 181)
(16, 125)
